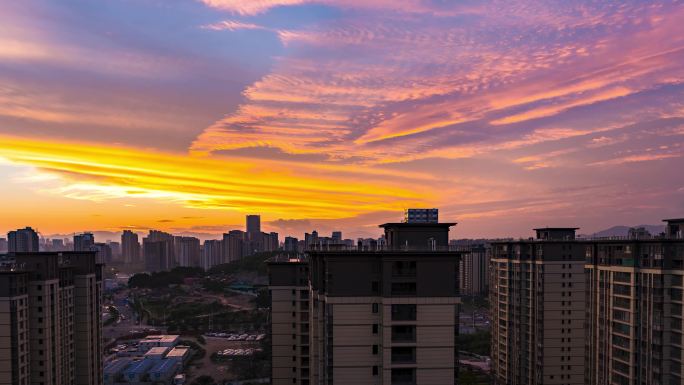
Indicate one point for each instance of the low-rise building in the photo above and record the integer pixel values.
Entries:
(163, 340)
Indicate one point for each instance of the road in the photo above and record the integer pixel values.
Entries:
(128, 321)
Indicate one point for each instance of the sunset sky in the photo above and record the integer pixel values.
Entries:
(185, 115)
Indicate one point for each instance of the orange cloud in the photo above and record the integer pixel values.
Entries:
(97, 172)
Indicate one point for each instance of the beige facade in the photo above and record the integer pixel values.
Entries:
(634, 311)
(537, 308)
(473, 271)
(54, 325)
(363, 317)
(290, 323)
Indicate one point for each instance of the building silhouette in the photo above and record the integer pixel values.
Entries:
(23, 241)
(84, 242)
(130, 247)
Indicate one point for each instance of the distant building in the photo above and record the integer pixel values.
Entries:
(212, 254)
(103, 252)
(233, 246)
(51, 331)
(421, 216)
(271, 242)
(3, 245)
(638, 233)
(116, 250)
(291, 245)
(473, 270)
(130, 247)
(253, 225)
(336, 236)
(158, 251)
(23, 241)
(187, 251)
(84, 242)
(58, 245)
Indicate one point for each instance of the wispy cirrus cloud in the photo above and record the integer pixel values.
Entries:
(406, 100)
(232, 25)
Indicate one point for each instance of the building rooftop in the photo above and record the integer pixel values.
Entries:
(557, 228)
(161, 338)
(417, 224)
(157, 350)
(178, 352)
(283, 258)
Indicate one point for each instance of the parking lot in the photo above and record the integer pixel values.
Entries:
(236, 336)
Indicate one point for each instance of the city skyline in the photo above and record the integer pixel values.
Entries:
(329, 115)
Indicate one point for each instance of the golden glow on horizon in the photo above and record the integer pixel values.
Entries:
(281, 189)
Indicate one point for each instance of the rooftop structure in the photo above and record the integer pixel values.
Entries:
(421, 216)
(417, 236)
(179, 353)
(156, 353)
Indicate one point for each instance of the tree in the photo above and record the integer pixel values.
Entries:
(204, 380)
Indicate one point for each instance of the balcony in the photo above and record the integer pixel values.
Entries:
(404, 376)
(404, 334)
(404, 312)
(403, 355)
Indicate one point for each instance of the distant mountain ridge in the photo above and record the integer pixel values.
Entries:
(622, 231)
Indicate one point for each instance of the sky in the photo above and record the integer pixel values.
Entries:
(186, 115)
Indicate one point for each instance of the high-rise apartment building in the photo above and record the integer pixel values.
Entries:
(421, 216)
(212, 254)
(103, 252)
(634, 308)
(84, 242)
(537, 304)
(159, 251)
(187, 251)
(233, 245)
(253, 224)
(473, 270)
(116, 250)
(58, 245)
(50, 314)
(23, 241)
(291, 244)
(3, 245)
(290, 322)
(369, 317)
(130, 247)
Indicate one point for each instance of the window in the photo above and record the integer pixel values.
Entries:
(375, 370)
(375, 307)
(375, 287)
(403, 333)
(404, 312)
(375, 328)
(403, 355)
(403, 288)
(404, 376)
(404, 268)
(375, 349)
